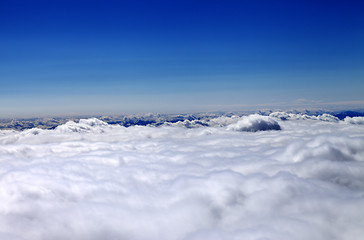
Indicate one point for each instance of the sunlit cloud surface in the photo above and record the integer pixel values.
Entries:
(283, 176)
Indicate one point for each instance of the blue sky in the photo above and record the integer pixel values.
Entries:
(102, 57)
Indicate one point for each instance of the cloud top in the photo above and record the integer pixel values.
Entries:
(254, 123)
(218, 178)
(354, 120)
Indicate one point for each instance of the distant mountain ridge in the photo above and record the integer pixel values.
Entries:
(155, 119)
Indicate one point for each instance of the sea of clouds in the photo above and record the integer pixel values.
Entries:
(282, 176)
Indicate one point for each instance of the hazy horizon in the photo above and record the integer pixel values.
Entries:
(300, 105)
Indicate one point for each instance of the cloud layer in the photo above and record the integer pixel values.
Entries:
(187, 180)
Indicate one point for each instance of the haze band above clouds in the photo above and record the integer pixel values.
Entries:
(221, 178)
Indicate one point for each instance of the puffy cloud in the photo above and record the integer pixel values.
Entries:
(84, 125)
(299, 116)
(251, 123)
(254, 123)
(91, 180)
(354, 120)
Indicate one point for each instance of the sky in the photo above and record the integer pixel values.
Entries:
(115, 57)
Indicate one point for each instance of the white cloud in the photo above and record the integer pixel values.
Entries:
(90, 180)
(254, 123)
(354, 120)
(293, 116)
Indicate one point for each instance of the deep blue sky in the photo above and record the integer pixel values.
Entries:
(99, 57)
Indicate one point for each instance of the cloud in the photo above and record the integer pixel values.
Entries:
(354, 120)
(91, 180)
(84, 125)
(254, 123)
(294, 116)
